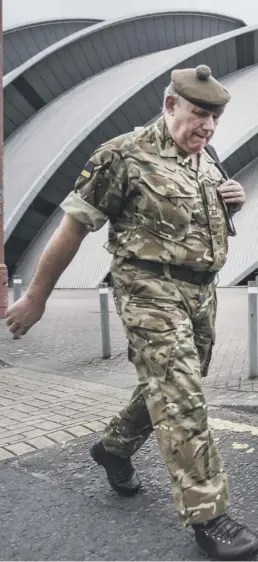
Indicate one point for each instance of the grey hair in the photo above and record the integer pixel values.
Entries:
(169, 91)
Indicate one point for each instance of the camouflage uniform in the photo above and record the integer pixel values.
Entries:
(161, 209)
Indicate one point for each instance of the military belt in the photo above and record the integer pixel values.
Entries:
(176, 272)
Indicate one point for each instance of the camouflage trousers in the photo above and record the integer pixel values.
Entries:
(170, 329)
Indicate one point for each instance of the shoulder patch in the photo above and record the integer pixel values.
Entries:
(88, 170)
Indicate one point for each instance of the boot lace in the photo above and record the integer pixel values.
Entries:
(222, 529)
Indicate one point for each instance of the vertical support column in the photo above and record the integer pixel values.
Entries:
(252, 330)
(3, 268)
(104, 319)
(17, 293)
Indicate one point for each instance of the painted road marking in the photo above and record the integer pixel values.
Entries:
(240, 446)
(243, 447)
(225, 425)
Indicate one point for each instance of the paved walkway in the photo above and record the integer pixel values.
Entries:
(56, 504)
(55, 387)
(68, 339)
(38, 410)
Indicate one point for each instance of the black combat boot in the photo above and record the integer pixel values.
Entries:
(120, 472)
(224, 539)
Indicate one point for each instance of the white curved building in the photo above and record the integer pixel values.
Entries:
(19, 13)
(56, 115)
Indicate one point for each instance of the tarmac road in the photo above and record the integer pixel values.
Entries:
(56, 505)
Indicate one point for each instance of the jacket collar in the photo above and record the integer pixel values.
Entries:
(166, 146)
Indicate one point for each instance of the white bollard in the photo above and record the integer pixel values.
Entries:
(104, 319)
(17, 287)
(17, 292)
(252, 330)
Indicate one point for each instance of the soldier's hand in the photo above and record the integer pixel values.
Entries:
(232, 192)
(23, 314)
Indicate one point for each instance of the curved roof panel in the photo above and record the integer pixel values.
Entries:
(90, 51)
(243, 249)
(23, 42)
(128, 103)
(21, 12)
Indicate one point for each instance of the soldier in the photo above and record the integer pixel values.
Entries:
(169, 210)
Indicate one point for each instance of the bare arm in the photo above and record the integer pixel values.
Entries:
(56, 257)
(97, 193)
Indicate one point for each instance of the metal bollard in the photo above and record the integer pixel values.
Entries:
(252, 330)
(104, 319)
(17, 292)
(17, 287)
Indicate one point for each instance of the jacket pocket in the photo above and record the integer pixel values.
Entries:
(165, 206)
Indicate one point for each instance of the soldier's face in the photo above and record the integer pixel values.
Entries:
(190, 126)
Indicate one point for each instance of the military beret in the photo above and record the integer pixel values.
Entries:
(198, 86)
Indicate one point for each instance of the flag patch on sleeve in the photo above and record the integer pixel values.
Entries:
(88, 170)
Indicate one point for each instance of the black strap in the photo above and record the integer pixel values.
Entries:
(212, 152)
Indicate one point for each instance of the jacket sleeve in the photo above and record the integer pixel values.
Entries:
(98, 190)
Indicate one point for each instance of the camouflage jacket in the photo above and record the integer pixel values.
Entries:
(159, 208)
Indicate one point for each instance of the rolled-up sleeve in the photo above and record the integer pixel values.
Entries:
(98, 190)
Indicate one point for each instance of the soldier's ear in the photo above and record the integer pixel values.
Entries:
(170, 104)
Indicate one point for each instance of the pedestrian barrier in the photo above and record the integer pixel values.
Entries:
(104, 320)
(252, 329)
(17, 292)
